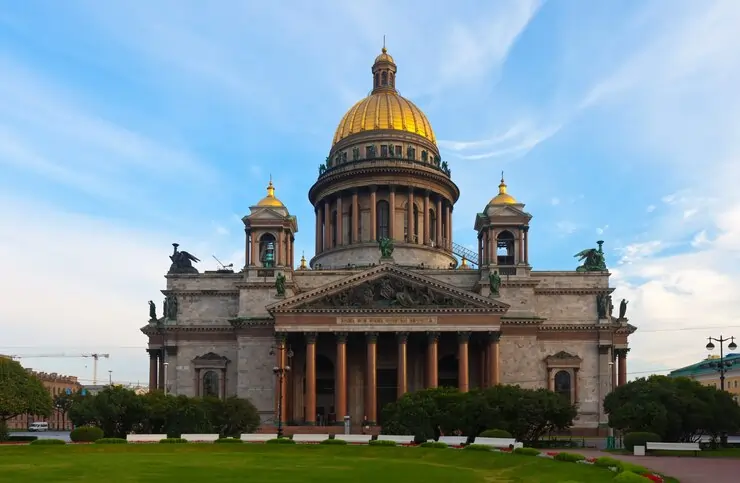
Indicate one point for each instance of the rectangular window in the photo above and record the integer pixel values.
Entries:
(398, 151)
(383, 151)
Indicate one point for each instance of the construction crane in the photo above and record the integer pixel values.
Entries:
(94, 356)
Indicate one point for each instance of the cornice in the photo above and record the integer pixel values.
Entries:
(522, 320)
(572, 291)
(206, 292)
(576, 327)
(518, 282)
(245, 322)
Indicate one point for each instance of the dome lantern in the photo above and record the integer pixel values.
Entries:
(270, 199)
(502, 198)
(384, 72)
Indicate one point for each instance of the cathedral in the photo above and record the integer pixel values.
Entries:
(389, 303)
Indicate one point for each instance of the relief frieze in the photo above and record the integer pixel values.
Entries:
(376, 321)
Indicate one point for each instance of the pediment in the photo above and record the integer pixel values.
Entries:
(563, 359)
(267, 213)
(388, 288)
(210, 360)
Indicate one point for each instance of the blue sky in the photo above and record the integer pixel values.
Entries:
(127, 126)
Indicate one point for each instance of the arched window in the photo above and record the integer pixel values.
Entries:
(392, 79)
(377, 79)
(334, 228)
(350, 217)
(563, 385)
(383, 215)
(210, 384)
(433, 226)
(505, 248)
(384, 78)
(267, 250)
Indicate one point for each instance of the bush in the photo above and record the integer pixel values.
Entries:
(626, 466)
(46, 442)
(478, 447)
(569, 457)
(433, 444)
(607, 462)
(495, 433)
(376, 442)
(639, 439)
(111, 441)
(228, 440)
(337, 442)
(86, 434)
(527, 451)
(173, 441)
(280, 441)
(629, 477)
(22, 439)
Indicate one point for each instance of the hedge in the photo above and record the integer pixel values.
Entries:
(228, 440)
(629, 477)
(111, 441)
(21, 439)
(433, 444)
(478, 447)
(382, 442)
(336, 442)
(495, 433)
(85, 434)
(527, 451)
(45, 442)
(280, 441)
(173, 441)
(569, 457)
(639, 439)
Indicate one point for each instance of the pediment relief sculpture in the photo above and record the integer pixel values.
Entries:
(211, 359)
(563, 359)
(389, 292)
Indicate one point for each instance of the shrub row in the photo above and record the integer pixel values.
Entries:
(46, 442)
(86, 434)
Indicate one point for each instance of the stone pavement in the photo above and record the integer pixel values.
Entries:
(687, 469)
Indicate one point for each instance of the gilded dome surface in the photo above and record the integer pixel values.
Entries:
(270, 199)
(502, 198)
(384, 108)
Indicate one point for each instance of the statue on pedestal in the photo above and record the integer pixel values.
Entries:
(494, 281)
(280, 284)
(386, 247)
(592, 258)
(623, 308)
(152, 311)
(182, 262)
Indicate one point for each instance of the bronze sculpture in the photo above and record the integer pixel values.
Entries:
(494, 281)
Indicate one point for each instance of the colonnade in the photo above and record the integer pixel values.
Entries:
(284, 247)
(440, 234)
(491, 371)
(488, 244)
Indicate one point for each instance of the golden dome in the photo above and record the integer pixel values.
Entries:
(384, 108)
(502, 198)
(270, 199)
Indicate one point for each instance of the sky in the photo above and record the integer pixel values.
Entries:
(127, 126)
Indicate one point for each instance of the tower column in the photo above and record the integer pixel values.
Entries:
(494, 376)
(281, 395)
(392, 213)
(438, 227)
(327, 224)
(371, 396)
(280, 252)
(410, 217)
(340, 395)
(340, 221)
(355, 218)
(247, 247)
(427, 231)
(310, 378)
(622, 363)
(161, 368)
(526, 244)
(448, 226)
(521, 245)
(255, 249)
(492, 246)
(402, 376)
(463, 373)
(318, 248)
(373, 214)
(152, 369)
(432, 359)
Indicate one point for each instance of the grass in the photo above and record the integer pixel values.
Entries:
(283, 464)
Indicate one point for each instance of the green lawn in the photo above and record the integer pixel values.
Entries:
(269, 464)
(707, 453)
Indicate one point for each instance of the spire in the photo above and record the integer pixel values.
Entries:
(270, 189)
(503, 198)
(384, 72)
(303, 262)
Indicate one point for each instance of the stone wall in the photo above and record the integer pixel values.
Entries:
(368, 253)
(183, 381)
(256, 380)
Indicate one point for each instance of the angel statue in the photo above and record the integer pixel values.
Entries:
(494, 280)
(152, 311)
(182, 262)
(623, 308)
(592, 258)
(280, 284)
(386, 247)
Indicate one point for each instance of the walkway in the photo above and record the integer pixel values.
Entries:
(687, 469)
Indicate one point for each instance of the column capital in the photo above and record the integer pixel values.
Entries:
(373, 188)
(463, 336)
(493, 336)
(392, 188)
(341, 337)
(280, 338)
(433, 337)
(153, 353)
(621, 352)
(372, 337)
(525, 228)
(403, 337)
(311, 337)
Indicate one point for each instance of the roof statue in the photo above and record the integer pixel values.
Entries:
(182, 262)
(592, 258)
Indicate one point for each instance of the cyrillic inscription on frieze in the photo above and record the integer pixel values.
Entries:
(431, 320)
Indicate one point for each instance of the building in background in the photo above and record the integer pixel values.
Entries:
(389, 303)
(707, 373)
(56, 384)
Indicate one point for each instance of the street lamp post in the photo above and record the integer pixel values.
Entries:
(281, 373)
(110, 377)
(721, 365)
(165, 377)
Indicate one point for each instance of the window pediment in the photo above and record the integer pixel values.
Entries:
(563, 359)
(211, 360)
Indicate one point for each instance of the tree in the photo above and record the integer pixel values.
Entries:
(21, 392)
(115, 410)
(677, 409)
(62, 403)
(231, 417)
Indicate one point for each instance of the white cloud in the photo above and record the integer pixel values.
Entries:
(650, 208)
(566, 227)
(555, 201)
(601, 230)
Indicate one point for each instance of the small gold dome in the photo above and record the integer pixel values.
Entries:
(502, 198)
(270, 199)
(384, 108)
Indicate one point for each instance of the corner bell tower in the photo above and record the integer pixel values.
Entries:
(270, 233)
(503, 234)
